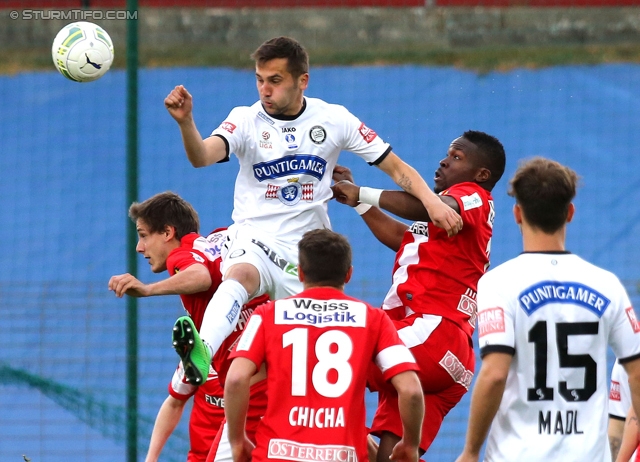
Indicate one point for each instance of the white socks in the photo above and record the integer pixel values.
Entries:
(222, 313)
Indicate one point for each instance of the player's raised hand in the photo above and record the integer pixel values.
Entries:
(404, 452)
(341, 173)
(127, 284)
(445, 217)
(179, 103)
(346, 192)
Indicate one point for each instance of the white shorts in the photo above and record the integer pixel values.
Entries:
(221, 448)
(277, 264)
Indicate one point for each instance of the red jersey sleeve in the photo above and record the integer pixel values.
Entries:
(392, 356)
(252, 342)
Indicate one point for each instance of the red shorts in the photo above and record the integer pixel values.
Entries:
(220, 448)
(446, 359)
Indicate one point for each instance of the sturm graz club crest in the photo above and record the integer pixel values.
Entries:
(317, 134)
(291, 193)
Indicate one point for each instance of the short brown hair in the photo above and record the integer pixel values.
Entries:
(325, 257)
(284, 47)
(166, 209)
(544, 189)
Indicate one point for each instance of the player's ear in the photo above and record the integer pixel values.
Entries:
(303, 81)
(570, 212)
(169, 232)
(517, 214)
(300, 274)
(347, 278)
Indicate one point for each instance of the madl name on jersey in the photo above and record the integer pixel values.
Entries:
(301, 164)
(336, 313)
(538, 295)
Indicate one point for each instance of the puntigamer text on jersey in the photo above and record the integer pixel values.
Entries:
(544, 292)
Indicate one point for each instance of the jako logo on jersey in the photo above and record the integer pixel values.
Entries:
(302, 164)
(544, 292)
(228, 126)
(366, 133)
(288, 129)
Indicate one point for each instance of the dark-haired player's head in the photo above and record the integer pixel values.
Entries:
(161, 222)
(282, 75)
(283, 48)
(473, 157)
(544, 190)
(324, 259)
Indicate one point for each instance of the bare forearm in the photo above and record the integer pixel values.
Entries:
(616, 427)
(168, 418)
(386, 229)
(236, 402)
(485, 401)
(404, 205)
(194, 279)
(193, 143)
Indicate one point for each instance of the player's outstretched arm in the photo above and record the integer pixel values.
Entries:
(386, 229)
(236, 402)
(411, 407)
(409, 180)
(167, 420)
(196, 278)
(200, 153)
(485, 401)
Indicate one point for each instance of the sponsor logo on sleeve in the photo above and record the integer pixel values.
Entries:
(614, 392)
(631, 315)
(491, 321)
(545, 292)
(471, 202)
(228, 126)
(367, 134)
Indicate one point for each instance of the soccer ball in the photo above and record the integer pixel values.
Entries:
(82, 51)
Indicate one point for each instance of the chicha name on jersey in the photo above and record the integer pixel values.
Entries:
(292, 450)
(563, 423)
(538, 295)
(325, 417)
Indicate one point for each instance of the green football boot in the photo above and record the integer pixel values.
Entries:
(194, 354)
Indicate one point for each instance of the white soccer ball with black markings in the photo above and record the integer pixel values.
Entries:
(82, 51)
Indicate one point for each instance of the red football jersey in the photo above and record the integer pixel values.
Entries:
(317, 347)
(195, 249)
(436, 274)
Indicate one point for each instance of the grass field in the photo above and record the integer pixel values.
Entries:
(481, 60)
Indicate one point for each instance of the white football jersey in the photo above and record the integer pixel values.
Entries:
(556, 313)
(286, 163)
